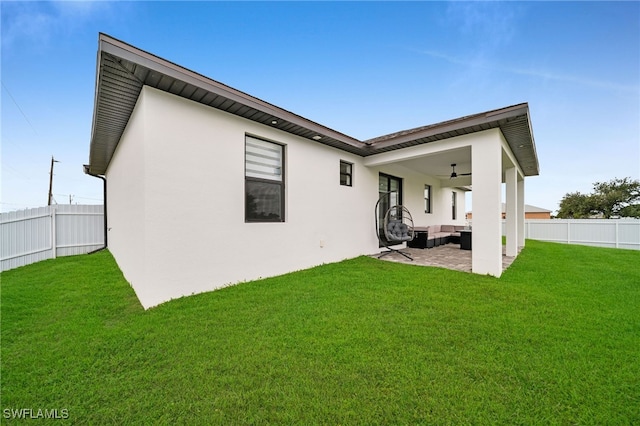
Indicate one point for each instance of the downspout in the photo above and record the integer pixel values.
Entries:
(104, 196)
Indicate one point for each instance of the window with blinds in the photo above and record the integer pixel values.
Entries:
(264, 181)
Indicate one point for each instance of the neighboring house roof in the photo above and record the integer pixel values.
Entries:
(528, 208)
(124, 69)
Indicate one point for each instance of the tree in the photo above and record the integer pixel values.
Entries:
(608, 199)
(631, 211)
(575, 205)
(612, 196)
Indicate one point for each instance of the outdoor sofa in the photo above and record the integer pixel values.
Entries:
(436, 235)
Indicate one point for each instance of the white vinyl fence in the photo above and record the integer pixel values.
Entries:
(614, 233)
(29, 236)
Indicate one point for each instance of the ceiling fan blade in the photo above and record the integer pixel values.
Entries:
(454, 175)
(457, 175)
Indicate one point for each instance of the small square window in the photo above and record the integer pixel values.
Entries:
(346, 173)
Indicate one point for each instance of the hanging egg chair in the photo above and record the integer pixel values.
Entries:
(396, 226)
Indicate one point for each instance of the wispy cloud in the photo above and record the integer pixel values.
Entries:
(27, 20)
(490, 24)
(488, 28)
(38, 22)
(531, 72)
(602, 84)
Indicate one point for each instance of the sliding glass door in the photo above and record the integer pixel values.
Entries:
(390, 194)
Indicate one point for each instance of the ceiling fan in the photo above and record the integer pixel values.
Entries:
(454, 174)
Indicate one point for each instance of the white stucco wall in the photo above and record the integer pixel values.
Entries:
(126, 199)
(176, 202)
(486, 153)
(413, 196)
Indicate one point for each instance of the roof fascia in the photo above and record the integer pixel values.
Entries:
(130, 53)
(117, 49)
(533, 142)
(94, 119)
(491, 118)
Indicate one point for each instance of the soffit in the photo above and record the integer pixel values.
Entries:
(123, 70)
(513, 122)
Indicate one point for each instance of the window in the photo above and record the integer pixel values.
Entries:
(263, 181)
(427, 198)
(454, 206)
(346, 173)
(391, 185)
(390, 194)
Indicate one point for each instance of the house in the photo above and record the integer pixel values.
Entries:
(207, 186)
(530, 212)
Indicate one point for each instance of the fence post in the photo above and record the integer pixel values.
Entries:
(568, 231)
(617, 245)
(54, 243)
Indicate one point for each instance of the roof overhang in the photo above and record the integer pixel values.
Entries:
(514, 123)
(123, 70)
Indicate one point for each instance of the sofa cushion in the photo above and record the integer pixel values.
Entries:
(441, 234)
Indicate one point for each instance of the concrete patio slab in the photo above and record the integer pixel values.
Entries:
(447, 256)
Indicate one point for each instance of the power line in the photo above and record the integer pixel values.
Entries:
(20, 109)
(17, 172)
(78, 197)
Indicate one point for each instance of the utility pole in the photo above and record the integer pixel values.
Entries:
(50, 197)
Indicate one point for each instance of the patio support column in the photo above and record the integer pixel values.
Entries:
(521, 212)
(486, 160)
(512, 211)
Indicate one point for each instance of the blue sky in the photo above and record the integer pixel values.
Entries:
(365, 69)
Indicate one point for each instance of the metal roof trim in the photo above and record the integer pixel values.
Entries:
(103, 145)
(499, 118)
(130, 53)
(464, 124)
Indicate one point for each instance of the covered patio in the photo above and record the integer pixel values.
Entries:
(494, 152)
(448, 256)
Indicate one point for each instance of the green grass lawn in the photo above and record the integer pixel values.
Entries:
(555, 340)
